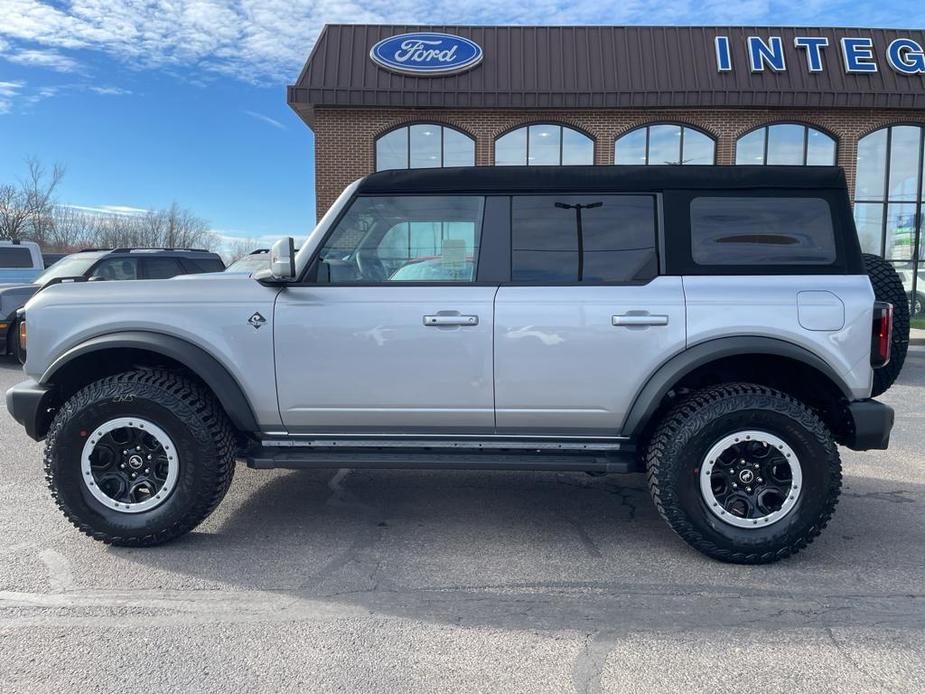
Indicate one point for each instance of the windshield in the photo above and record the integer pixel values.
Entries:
(69, 266)
(250, 263)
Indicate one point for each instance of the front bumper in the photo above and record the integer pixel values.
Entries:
(31, 405)
(870, 425)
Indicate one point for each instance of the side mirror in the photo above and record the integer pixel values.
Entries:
(282, 259)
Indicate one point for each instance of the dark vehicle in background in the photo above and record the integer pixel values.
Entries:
(99, 264)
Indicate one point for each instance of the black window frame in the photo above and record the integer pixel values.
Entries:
(657, 221)
(679, 242)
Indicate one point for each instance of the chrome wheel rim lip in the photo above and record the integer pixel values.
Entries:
(141, 424)
(727, 442)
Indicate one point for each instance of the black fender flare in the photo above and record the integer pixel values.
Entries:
(650, 396)
(225, 387)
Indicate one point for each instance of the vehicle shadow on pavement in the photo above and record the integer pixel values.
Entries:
(543, 550)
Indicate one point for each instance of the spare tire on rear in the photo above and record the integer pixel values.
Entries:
(889, 287)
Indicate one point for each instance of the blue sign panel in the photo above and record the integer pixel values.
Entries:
(426, 53)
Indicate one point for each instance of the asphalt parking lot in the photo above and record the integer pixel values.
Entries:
(374, 581)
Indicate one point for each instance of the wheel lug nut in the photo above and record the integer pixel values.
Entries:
(149, 457)
(748, 489)
(760, 480)
(137, 448)
(755, 466)
(122, 466)
(147, 470)
(133, 475)
(735, 486)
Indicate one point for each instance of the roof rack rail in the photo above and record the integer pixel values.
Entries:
(128, 249)
(93, 250)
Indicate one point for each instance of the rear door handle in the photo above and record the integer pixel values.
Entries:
(639, 319)
(439, 320)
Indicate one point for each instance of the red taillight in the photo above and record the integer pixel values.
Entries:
(882, 334)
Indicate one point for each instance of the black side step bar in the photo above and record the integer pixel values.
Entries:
(320, 457)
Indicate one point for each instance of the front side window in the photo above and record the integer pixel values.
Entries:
(786, 143)
(583, 238)
(543, 144)
(426, 238)
(424, 146)
(664, 144)
(761, 231)
(116, 269)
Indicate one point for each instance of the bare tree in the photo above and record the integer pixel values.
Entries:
(232, 250)
(26, 208)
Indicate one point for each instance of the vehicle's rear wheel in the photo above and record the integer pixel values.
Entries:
(744, 473)
(889, 287)
(139, 458)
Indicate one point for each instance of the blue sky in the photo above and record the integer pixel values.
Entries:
(147, 102)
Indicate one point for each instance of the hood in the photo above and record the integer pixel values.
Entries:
(202, 289)
(14, 296)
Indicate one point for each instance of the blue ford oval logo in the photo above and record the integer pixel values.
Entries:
(426, 53)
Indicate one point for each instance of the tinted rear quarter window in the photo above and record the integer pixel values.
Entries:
(738, 230)
(617, 236)
(197, 265)
(15, 257)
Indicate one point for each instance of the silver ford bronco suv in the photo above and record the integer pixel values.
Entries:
(713, 327)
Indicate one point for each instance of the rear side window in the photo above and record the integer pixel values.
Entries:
(196, 265)
(761, 231)
(15, 257)
(162, 268)
(583, 238)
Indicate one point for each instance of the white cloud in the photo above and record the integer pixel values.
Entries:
(116, 210)
(267, 41)
(51, 59)
(109, 91)
(266, 119)
(8, 92)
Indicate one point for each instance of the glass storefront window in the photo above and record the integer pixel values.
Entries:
(543, 144)
(664, 143)
(786, 143)
(889, 202)
(424, 145)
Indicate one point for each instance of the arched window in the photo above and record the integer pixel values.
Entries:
(543, 144)
(664, 143)
(786, 143)
(423, 146)
(889, 197)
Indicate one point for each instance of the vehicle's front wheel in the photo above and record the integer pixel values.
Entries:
(139, 458)
(744, 473)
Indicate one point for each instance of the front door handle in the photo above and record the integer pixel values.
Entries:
(441, 319)
(637, 319)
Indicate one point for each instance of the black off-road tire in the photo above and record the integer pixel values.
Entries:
(203, 437)
(889, 287)
(681, 441)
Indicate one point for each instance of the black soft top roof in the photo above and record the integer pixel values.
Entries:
(502, 179)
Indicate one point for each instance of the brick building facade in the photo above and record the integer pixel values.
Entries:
(345, 138)
(855, 96)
